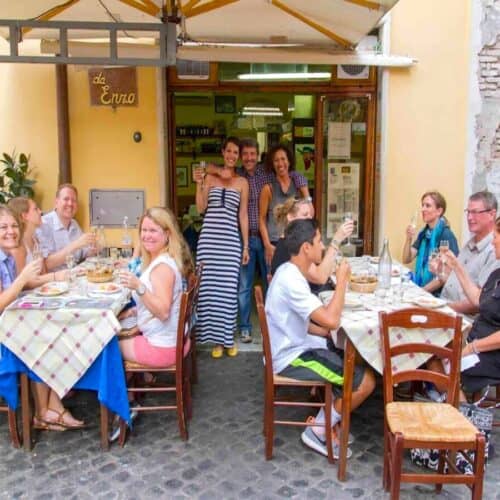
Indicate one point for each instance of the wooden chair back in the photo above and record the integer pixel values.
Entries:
(421, 318)
(185, 322)
(266, 343)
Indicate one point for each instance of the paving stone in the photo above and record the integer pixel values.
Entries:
(223, 459)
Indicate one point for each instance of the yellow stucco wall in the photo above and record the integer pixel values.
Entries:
(427, 112)
(103, 152)
(28, 122)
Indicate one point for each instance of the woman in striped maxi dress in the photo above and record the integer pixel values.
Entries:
(222, 247)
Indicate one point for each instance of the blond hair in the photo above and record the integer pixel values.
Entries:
(20, 205)
(6, 210)
(176, 247)
(289, 207)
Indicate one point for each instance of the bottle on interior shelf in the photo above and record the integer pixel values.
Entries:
(385, 266)
(127, 250)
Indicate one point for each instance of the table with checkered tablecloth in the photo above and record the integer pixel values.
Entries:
(59, 345)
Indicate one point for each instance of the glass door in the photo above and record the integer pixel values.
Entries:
(346, 175)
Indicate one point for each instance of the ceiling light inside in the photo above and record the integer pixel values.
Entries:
(285, 76)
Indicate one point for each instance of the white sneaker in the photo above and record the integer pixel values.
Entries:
(114, 433)
(309, 438)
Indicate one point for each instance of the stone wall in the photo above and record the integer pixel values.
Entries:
(487, 123)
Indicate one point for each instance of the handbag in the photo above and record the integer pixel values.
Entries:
(481, 418)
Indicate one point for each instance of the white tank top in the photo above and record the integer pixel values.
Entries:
(160, 333)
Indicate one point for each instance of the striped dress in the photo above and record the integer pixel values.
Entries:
(219, 248)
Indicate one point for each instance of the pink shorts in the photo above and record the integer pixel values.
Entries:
(157, 357)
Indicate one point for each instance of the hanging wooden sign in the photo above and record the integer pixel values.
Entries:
(113, 87)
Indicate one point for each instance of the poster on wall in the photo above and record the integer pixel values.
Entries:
(304, 161)
(342, 195)
(339, 140)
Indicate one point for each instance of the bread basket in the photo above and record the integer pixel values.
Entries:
(99, 275)
(363, 283)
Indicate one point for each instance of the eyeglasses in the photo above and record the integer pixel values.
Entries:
(476, 212)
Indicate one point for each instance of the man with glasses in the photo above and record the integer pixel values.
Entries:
(478, 254)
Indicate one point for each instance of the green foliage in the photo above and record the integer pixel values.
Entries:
(14, 179)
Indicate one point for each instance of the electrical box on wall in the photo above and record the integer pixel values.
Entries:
(108, 207)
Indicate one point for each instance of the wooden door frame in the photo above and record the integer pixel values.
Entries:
(368, 193)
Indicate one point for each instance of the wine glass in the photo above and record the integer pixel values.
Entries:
(435, 262)
(414, 219)
(348, 216)
(36, 251)
(444, 246)
(70, 264)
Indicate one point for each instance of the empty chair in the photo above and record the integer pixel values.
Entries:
(427, 425)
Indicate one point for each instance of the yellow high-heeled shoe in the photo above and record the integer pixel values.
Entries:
(217, 352)
(232, 351)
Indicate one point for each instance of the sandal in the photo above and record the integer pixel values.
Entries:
(41, 425)
(61, 422)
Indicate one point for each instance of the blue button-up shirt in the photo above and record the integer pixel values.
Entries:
(7, 270)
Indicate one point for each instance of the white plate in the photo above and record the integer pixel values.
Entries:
(105, 288)
(374, 260)
(429, 302)
(52, 289)
(352, 301)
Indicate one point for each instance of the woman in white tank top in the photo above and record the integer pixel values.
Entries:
(157, 292)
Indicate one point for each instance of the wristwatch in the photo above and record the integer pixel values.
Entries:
(141, 290)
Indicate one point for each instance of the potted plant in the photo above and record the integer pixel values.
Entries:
(14, 179)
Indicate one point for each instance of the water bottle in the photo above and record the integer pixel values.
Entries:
(126, 240)
(385, 266)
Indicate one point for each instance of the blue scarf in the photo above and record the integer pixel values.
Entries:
(429, 241)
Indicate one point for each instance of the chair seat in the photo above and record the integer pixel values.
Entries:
(132, 365)
(278, 379)
(432, 422)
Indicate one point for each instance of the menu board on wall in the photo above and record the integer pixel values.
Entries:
(339, 140)
(342, 195)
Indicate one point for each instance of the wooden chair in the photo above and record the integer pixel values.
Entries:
(196, 280)
(12, 415)
(181, 371)
(272, 382)
(427, 425)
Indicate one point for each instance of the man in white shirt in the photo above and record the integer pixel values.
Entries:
(60, 234)
(478, 254)
(297, 351)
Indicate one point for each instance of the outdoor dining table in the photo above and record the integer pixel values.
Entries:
(360, 333)
(68, 341)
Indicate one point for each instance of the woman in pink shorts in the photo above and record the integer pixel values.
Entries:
(157, 292)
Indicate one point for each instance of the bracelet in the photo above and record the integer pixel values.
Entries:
(473, 346)
(246, 248)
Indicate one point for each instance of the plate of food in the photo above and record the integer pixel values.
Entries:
(52, 289)
(395, 272)
(429, 302)
(106, 288)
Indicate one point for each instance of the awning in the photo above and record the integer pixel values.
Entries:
(314, 32)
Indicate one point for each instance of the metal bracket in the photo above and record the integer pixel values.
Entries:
(166, 34)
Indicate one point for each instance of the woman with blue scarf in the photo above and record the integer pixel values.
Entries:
(436, 230)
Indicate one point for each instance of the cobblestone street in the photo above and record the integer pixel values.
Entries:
(223, 458)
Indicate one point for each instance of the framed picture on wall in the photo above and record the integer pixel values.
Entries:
(182, 176)
(225, 104)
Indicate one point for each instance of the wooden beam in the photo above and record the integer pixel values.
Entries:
(312, 24)
(366, 3)
(49, 14)
(63, 141)
(207, 7)
(188, 5)
(149, 8)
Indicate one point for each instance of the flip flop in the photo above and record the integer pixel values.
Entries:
(61, 422)
(41, 425)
